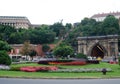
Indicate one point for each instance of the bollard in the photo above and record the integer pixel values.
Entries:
(104, 71)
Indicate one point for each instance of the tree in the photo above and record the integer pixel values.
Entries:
(63, 51)
(6, 31)
(4, 57)
(26, 49)
(58, 28)
(4, 46)
(45, 47)
(110, 25)
(68, 26)
(32, 53)
(16, 38)
(80, 55)
(40, 36)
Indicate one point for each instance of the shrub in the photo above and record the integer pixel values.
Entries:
(4, 58)
(15, 69)
(119, 60)
(44, 62)
(93, 61)
(15, 60)
(80, 55)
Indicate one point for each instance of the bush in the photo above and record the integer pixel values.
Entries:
(80, 55)
(15, 60)
(119, 60)
(15, 69)
(44, 62)
(4, 58)
(93, 62)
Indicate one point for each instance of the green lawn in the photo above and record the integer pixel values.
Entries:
(114, 67)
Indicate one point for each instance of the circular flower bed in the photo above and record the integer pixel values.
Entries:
(40, 68)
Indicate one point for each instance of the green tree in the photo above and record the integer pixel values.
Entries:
(80, 55)
(6, 31)
(41, 36)
(16, 38)
(63, 50)
(26, 49)
(4, 46)
(4, 57)
(45, 47)
(68, 26)
(110, 25)
(32, 53)
(58, 28)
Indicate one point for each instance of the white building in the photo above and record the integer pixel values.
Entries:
(15, 21)
(101, 17)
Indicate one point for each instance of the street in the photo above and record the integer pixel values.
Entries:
(58, 81)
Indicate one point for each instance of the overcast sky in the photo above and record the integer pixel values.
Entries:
(51, 11)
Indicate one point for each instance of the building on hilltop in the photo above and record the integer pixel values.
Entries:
(101, 17)
(15, 21)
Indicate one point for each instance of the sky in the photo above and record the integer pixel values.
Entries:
(52, 11)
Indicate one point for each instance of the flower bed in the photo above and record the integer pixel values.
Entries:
(53, 61)
(63, 62)
(83, 70)
(41, 68)
(4, 67)
(69, 63)
(113, 62)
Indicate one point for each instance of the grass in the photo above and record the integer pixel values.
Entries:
(114, 74)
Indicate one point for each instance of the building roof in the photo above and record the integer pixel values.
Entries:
(14, 19)
(106, 14)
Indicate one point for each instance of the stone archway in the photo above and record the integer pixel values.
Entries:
(103, 46)
(98, 51)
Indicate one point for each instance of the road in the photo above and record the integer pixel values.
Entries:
(58, 81)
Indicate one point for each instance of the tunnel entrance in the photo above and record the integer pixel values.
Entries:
(97, 51)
